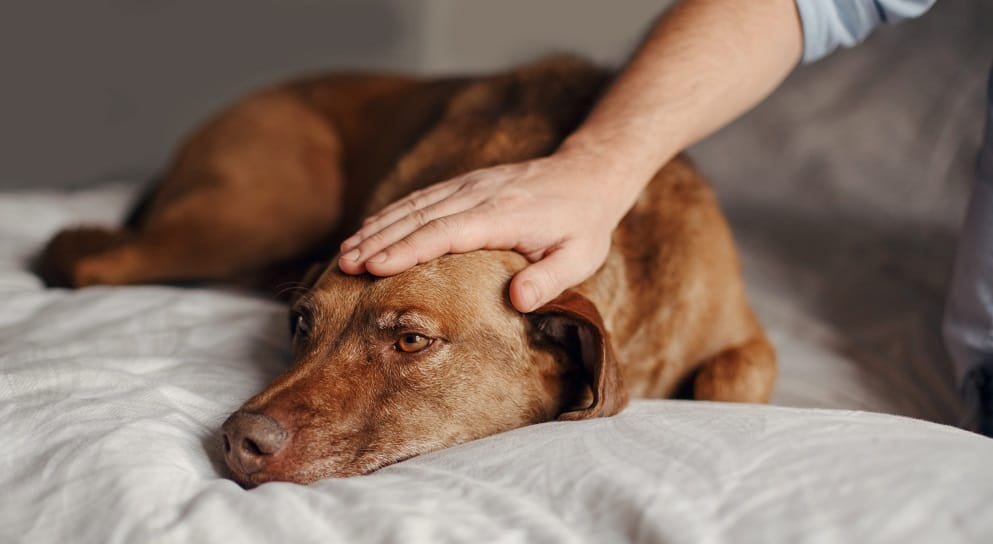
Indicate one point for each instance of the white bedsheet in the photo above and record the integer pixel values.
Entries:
(111, 398)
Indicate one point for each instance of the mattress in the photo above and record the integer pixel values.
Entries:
(111, 400)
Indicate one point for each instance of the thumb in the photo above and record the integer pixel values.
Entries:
(544, 280)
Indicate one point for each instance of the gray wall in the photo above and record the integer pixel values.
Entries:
(480, 34)
(101, 90)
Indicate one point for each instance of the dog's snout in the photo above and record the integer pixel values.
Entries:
(250, 440)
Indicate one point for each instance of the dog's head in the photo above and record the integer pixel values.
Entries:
(389, 368)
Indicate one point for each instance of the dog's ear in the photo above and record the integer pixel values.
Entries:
(573, 322)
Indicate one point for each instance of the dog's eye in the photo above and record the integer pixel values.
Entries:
(299, 325)
(412, 343)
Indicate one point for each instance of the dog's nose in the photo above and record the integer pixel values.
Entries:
(250, 440)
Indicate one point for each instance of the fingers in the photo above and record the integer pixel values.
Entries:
(417, 200)
(382, 250)
(544, 280)
(449, 234)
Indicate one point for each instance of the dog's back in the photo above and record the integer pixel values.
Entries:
(279, 178)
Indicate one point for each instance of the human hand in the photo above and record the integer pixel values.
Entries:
(554, 210)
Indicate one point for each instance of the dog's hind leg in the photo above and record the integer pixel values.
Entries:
(744, 373)
(57, 262)
(212, 235)
(86, 256)
(260, 185)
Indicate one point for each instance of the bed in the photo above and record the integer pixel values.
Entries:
(111, 398)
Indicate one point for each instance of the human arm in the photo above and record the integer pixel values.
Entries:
(681, 84)
(704, 63)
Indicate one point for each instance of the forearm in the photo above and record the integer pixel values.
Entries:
(703, 64)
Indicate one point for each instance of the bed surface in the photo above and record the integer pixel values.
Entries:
(111, 399)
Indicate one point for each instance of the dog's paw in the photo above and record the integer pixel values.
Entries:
(64, 260)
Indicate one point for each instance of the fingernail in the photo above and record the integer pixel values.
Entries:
(349, 243)
(530, 295)
(352, 255)
(378, 258)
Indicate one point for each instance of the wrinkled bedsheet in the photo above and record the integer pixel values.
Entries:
(111, 400)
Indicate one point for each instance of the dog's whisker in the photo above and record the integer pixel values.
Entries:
(284, 289)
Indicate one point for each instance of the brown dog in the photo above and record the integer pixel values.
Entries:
(388, 368)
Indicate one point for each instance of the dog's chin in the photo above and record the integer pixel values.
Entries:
(319, 470)
(249, 481)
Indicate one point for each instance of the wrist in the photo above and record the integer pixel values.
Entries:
(614, 173)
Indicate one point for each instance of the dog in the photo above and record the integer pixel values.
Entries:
(389, 368)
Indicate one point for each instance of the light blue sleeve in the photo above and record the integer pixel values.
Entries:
(828, 24)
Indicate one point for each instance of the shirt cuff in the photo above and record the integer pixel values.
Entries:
(829, 24)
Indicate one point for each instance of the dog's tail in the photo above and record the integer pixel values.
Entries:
(140, 207)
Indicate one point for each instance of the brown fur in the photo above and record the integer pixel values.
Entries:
(274, 182)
